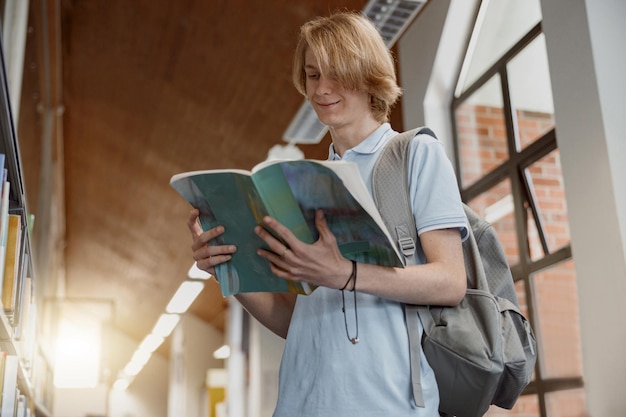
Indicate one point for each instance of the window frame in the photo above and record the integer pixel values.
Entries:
(515, 169)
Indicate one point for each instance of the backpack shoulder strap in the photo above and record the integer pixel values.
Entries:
(390, 190)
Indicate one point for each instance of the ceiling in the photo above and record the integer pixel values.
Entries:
(142, 90)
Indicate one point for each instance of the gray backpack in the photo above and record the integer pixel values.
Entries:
(482, 351)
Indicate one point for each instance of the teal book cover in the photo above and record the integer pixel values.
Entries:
(291, 192)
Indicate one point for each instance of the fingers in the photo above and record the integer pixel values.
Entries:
(290, 240)
(279, 248)
(204, 238)
(208, 256)
(208, 263)
(278, 254)
(205, 254)
(201, 238)
(296, 260)
(280, 230)
(280, 264)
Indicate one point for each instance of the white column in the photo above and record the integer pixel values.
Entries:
(265, 355)
(584, 40)
(236, 393)
(430, 54)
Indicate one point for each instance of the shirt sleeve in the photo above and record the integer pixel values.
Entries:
(434, 191)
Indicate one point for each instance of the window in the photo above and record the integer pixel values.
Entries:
(508, 168)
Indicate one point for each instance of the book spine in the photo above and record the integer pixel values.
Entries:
(4, 223)
(277, 196)
(12, 279)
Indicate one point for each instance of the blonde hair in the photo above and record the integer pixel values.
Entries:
(348, 46)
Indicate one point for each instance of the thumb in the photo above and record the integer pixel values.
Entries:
(326, 236)
(321, 224)
(193, 224)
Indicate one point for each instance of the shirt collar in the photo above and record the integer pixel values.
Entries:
(368, 146)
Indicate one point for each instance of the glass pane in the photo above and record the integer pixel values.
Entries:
(481, 132)
(496, 206)
(526, 406)
(500, 25)
(549, 194)
(521, 297)
(557, 310)
(534, 241)
(531, 92)
(569, 403)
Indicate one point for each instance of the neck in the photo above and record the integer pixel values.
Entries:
(347, 137)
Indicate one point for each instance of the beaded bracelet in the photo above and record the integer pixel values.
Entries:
(351, 277)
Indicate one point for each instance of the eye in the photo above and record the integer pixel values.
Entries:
(312, 75)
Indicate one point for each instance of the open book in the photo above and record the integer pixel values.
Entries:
(291, 192)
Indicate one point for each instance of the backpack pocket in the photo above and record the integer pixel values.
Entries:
(519, 347)
(463, 346)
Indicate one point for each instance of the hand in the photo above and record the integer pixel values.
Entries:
(205, 255)
(320, 263)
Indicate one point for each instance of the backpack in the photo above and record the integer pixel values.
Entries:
(482, 351)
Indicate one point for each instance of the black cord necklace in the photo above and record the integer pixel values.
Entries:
(354, 340)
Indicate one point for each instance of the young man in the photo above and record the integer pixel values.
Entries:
(354, 362)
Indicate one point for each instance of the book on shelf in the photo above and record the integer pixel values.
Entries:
(5, 188)
(18, 313)
(291, 192)
(23, 306)
(12, 267)
(3, 358)
(43, 380)
(21, 409)
(10, 391)
(25, 326)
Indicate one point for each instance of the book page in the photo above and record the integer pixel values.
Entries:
(178, 177)
(337, 188)
(349, 173)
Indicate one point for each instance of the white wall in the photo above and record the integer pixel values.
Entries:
(438, 86)
(71, 402)
(417, 49)
(147, 394)
(587, 61)
(192, 345)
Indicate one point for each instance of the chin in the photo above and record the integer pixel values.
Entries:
(327, 120)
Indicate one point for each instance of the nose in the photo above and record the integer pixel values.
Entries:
(325, 85)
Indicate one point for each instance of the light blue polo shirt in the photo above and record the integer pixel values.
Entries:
(322, 373)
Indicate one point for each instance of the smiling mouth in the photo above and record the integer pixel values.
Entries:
(326, 105)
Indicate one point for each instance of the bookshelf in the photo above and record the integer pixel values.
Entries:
(32, 380)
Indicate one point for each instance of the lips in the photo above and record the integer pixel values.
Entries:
(327, 105)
